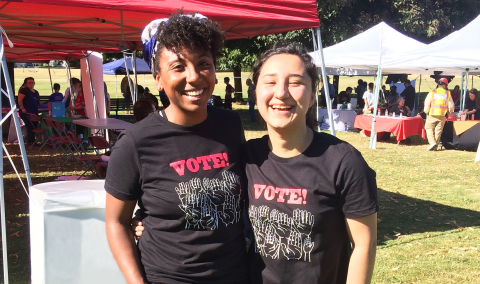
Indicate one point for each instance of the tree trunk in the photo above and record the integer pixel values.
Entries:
(237, 79)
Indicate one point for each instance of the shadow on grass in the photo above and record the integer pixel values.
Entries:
(406, 215)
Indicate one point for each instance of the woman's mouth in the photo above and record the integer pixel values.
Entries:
(281, 108)
(193, 93)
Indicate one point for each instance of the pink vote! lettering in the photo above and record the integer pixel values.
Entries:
(291, 195)
(218, 160)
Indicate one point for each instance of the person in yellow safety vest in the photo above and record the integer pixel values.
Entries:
(437, 103)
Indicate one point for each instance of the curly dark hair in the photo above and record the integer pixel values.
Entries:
(301, 52)
(185, 31)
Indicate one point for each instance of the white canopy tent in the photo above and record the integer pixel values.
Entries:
(366, 52)
(452, 55)
(363, 51)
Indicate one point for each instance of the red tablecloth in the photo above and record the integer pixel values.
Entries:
(402, 128)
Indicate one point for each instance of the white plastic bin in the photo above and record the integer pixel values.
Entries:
(67, 234)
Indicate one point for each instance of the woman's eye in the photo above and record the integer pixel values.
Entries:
(295, 83)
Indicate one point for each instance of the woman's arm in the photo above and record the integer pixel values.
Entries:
(363, 235)
(409, 111)
(20, 102)
(118, 216)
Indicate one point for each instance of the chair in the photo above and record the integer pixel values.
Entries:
(99, 143)
(36, 130)
(82, 156)
(64, 141)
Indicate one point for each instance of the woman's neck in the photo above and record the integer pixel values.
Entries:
(287, 144)
(176, 116)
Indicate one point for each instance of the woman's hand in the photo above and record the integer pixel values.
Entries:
(137, 227)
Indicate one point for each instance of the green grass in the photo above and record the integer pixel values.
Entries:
(429, 218)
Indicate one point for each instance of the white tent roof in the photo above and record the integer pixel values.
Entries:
(363, 51)
(452, 54)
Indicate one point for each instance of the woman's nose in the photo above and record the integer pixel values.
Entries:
(192, 74)
(281, 91)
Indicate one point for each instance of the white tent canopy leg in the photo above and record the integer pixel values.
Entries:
(477, 157)
(325, 83)
(3, 66)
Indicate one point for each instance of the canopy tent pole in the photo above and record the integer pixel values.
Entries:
(11, 97)
(465, 90)
(116, 92)
(373, 134)
(144, 80)
(69, 78)
(50, 75)
(418, 97)
(325, 83)
(316, 91)
(134, 65)
(128, 76)
(95, 106)
(461, 92)
(477, 157)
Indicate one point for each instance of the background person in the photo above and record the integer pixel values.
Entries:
(183, 166)
(143, 108)
(368, 99)
(331, 90)
(67, 99)
(56, 96)
(437, 105)
(472, 104)
(150, 96)
(360, 89)
(401, 108)
(28, 101)
(456, 94)
(393, 99)
(80, 100)
(408, 94)
(344, 96)
(229, 90)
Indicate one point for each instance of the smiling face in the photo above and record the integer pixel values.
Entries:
(188, 80)
(284, 92)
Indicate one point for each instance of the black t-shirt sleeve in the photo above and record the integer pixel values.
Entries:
(357, 185)
(123, 179)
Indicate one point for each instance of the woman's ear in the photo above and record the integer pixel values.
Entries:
(312, 101)
(158, 83)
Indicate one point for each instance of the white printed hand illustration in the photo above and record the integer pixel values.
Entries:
(307, 248)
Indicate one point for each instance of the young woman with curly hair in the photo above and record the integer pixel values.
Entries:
(183, 166)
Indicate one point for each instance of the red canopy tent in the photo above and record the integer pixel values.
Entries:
(56, 30)
(43, 30)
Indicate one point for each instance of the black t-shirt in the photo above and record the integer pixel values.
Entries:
(298, 206)
(31, 100)
(343, 97)
(471, 105)
(190, 182)
(409, 95)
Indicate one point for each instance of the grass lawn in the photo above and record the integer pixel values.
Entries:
(429, 219)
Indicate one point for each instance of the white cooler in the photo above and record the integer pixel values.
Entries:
(67, 234)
